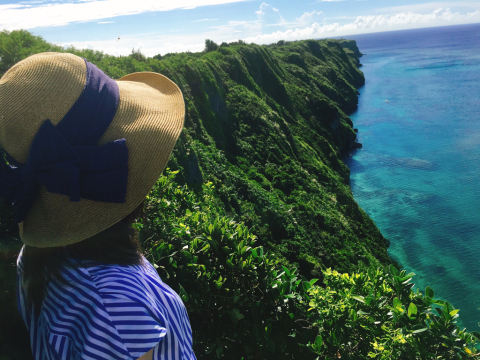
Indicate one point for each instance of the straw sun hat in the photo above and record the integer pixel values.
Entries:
(84, 150)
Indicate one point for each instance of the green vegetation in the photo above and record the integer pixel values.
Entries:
(244, 303)
(256, 206)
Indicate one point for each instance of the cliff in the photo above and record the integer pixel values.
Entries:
(268, 126)
(350, 47)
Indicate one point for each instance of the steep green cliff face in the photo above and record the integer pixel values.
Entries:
(267, 126)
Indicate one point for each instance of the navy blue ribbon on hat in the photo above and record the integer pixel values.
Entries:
(66, 158)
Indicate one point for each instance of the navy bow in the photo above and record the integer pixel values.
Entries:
(65, 159)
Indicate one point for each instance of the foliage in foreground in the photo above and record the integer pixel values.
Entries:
(240, 300)
(376, 314)
(242, 303)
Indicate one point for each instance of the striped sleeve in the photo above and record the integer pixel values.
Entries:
(131, 308)
(139, 329)
(146, 312)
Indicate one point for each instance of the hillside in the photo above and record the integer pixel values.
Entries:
(267, 126)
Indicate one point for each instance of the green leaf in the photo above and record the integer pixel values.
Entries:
(393, 270)
(368, 300)
(476, 334)
(408, 276)
(429, 292)
(236, 313)
(317, 345)
(397, 304)
(447, 307)
(412, 310)
(286, 270)
(236, 298)
(183, 294)
(219, 352)
(453, 312)
(361, 312)
(359, 298)
(353, 315)
(219, 283)
(419, 331)
(230, 264)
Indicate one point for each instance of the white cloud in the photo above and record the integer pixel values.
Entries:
(270, 15)
(254, 31)
(148, 45)
(264, 9)
(204, 20)
(330, 0)
(429, 7)
(235, 27)
(27, 16)
(153, 44)
(105, 22)
(370, 23)
(307, 18)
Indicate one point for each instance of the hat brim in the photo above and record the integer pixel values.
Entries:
(150, 116)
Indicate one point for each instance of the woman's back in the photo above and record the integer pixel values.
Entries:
(107, 312)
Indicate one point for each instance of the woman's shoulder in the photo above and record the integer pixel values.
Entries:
(99, 271)
(139, 282)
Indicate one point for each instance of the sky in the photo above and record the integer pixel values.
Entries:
(163, 26)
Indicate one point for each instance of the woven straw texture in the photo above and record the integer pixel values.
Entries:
(150, 117)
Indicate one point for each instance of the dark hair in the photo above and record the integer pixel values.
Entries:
(116, 245)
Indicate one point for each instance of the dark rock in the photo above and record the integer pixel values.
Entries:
(354, 145)
(193, 174)
(335, 123)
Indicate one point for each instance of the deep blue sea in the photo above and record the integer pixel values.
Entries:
(418, 173)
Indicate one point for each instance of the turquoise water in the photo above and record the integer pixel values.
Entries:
(418, 173)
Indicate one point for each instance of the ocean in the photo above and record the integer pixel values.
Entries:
(418, 173)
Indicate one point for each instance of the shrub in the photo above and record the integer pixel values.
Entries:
(376, 315)
(241, 303)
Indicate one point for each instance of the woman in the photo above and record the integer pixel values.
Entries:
(83, 151)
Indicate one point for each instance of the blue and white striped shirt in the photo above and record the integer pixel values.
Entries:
(108, 312)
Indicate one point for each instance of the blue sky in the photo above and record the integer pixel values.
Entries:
(159, 27)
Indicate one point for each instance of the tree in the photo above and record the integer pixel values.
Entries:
(19, 44)
(137, 55)
(210, 45)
